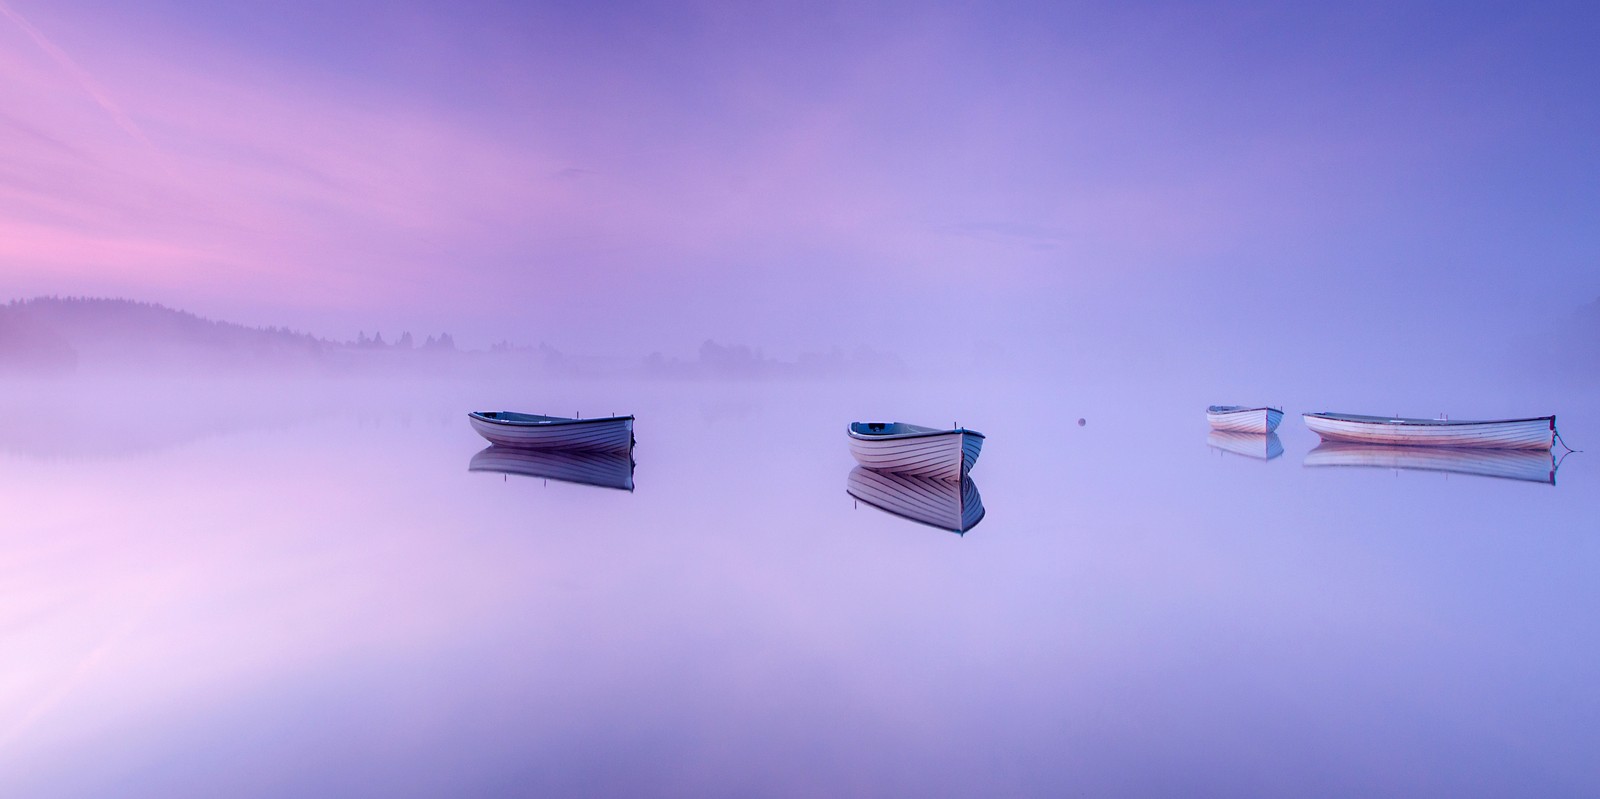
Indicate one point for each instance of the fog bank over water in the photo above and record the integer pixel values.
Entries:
(125, 416)
(1227, 345)
(53, 337)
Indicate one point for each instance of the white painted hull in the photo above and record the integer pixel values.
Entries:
(1244, 420)
(1532, 465)
(607, 469)
(1537, 433)
(944, 455)
(945, 504)
(1251, 445)
(611, 434)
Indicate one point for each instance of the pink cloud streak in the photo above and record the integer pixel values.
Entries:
(910, 152)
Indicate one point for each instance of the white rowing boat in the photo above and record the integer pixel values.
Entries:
(531, 431)
(910, 449)
(607, 469)
(1535, 433)
(1532, 465)
(945, 504)
(1240, 419)
(1251, 445)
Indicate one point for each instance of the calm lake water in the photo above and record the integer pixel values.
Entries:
(304, 590)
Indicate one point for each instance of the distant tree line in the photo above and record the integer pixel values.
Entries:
(443, 341)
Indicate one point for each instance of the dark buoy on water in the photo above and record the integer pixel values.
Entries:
(1081, 422)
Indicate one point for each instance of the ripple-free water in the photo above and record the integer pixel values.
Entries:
(198, 602)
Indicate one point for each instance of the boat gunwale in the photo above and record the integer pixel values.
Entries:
(1220, 410)
(851, 430)
(552, 421)
(1389, 421)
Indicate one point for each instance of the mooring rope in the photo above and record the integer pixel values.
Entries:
(1563, 441)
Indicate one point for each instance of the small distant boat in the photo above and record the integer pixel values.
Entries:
(531, 431)
(910, 449)
(1535, 433)
(606, 469)
(1251, 445)
(1532, 465)
(945, 504)
(1239, 419)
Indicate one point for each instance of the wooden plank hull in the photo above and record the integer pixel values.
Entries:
(1531, 465)
(1251, 445)
(946, 455)
(1535, 433)
(1234, 419)
(947, 505)
(606, 469)
(610, 434)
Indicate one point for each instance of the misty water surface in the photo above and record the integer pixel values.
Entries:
(216, 589)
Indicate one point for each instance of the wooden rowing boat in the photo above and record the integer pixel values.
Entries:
(532, 431)
(910, 449)
(1240, 419)
(606, 469)
(1535, 433)
(1532, 465)
(1251, 445)
(945, 504)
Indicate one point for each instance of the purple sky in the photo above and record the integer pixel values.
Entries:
(644, 177)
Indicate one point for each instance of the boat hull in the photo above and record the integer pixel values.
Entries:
(1245, 420)
(1531, 465)
(948, 505)
(1536, 433)
(611, 434)
(606, 469)
(946, 455)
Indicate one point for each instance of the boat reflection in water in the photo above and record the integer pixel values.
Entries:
(1534, 466)
(946, 504)
(1251, 445)
(605, 469)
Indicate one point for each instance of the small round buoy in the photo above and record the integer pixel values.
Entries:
(1081, 422)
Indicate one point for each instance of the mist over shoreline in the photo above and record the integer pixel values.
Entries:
(51, 337)
(46, 337)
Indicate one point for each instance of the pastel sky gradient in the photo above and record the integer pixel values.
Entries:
(637, 176)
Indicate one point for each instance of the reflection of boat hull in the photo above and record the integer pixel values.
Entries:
(1238, 419)
(1536, 433)
(923, 452)
(528, 431)
(1537, 466)
(945, 504)
(604, 469)
(1251, 445)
